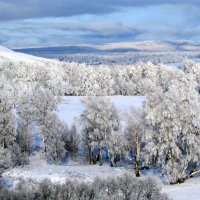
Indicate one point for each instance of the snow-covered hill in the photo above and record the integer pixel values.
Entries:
(4, 49)
(152, 46)
(136, 46)
(9, 55)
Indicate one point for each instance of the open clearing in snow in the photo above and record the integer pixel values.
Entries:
(39, 169)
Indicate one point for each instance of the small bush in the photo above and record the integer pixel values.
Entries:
(125, 187)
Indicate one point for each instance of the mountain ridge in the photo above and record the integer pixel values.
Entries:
(136, 46)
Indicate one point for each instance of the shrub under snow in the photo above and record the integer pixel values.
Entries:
(125, 187)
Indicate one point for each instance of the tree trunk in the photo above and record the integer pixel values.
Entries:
(137, 172)
(184, 178)
(100, 157)
(110, 158)
(90, 155)
(44, 148)
(193, 170)
(137, 158)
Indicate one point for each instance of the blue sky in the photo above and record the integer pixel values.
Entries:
(29, 23)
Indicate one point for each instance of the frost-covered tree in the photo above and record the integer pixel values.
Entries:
(167, 73)
(45, 103)
(54, 141)
(173, 128)
(115, 147)
(24, 138)
(86, 141)
(26, 108)
(70, 138)
(192, 68)
(7, 117)
(99, 119)
(5, 159)
(26, 117)
(72, 144)
(19, 157)
(134, 133)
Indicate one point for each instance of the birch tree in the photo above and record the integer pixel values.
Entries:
(7, 117)
(98, 120)
(134, 133)
(173, 125)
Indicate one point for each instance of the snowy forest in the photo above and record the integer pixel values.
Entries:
(162, 136)
(123, 53)
(99, 100)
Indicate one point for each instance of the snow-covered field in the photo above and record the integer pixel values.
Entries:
(190, 190)
(39, 170)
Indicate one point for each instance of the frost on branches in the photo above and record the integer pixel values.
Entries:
(173, 127)
(100, 122)
(134, 133)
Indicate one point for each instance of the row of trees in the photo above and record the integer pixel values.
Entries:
(82, 80)
(165, 133)
(125, 58)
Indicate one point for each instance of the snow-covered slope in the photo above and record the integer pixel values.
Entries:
(4, 49)
(9, 55)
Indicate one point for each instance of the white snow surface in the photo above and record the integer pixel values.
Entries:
(190, 190)
(4, 49)
(9, 55)
(39, 169)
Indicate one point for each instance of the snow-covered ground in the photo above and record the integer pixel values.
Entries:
(190, 190)
(39, 170)
(9, 55)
